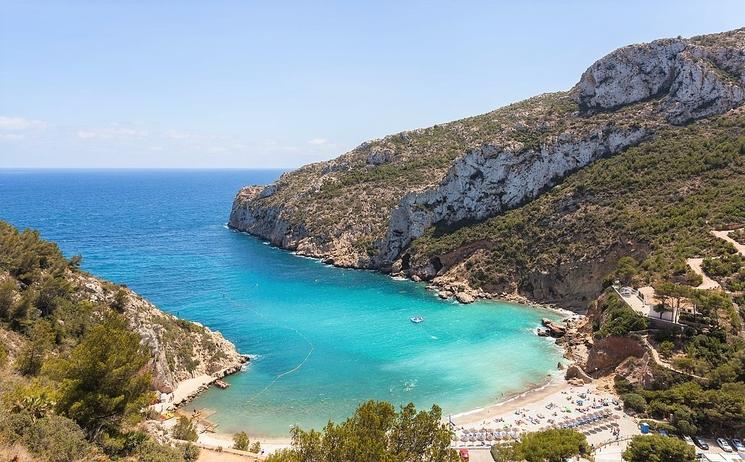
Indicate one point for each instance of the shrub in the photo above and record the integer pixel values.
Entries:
(666, 348)
(657, 448)
(255, 447)
(190, 452)
(150, 451)
(635, 402)
(184, 430)
(240, 441)
(14, 425)
(3, 355)
(549, 445)
(56, 438)
(622, 385)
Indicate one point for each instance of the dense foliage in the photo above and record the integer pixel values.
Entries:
(375, 432)
(655, 448)
(657, 202)
(100, 381)
(618, 318)
(556, 445)
(79, 379)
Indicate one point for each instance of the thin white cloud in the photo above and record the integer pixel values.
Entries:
(318, 141)
(182, 135)
(114, 132)
(11, 136)
(20, 124)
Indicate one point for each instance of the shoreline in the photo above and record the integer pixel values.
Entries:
(434, 287)
(187, 390)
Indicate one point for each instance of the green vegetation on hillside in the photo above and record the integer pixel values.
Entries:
(618, 319)
(78, 381)
(657, 201)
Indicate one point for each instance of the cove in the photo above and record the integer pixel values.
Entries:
(325, 338)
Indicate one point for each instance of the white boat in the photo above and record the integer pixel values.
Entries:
(416, 319)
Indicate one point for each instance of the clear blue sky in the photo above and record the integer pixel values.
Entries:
(277, 84)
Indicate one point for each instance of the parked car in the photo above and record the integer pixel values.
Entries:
(687, 439)
(724, 445)
(737, 445)
(698, 441)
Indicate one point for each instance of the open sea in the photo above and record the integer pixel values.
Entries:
(325, 338)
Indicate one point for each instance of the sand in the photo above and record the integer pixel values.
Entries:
(550, 406)
(189, 388)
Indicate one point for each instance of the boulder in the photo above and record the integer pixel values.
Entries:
(576, 372)
(609, 352)
(464, 297)
(556, 330)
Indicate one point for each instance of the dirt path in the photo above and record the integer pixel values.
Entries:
(725, 236)
(708, 283)
(658, 359)
(209, 455)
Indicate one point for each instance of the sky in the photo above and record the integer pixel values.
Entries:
(277, 84)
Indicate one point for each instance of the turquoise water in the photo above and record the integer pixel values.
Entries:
(325, 338)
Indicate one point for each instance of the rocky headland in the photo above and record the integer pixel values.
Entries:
(415, 203)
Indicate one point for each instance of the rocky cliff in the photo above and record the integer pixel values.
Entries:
(180, 349)
(366, 208)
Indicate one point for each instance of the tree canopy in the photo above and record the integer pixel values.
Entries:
(555, 445)
(101, 380)
(375, 432)
(655, 448)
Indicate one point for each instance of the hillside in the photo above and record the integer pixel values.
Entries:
(366, 208)
(38, 284)
(81, 359)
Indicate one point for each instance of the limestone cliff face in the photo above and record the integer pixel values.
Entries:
(366, 207)
(180, 349)
(492, 178)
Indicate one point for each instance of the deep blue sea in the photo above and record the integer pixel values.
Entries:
(325, 338)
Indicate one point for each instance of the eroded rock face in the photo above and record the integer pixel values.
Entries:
(638, 371)
(693, 79)
(492, 179)
(609, 352)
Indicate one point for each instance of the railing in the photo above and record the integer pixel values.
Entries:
(610, 442)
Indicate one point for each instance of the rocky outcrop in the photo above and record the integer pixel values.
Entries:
(576, 372)
(367, 208)
(493, 178)
(638, 371)
(609, 352)
(180, 349)
(555, 329)
(691, 78)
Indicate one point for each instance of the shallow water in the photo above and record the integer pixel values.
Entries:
(325, 338)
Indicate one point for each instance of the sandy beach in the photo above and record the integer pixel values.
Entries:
(590, 409)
